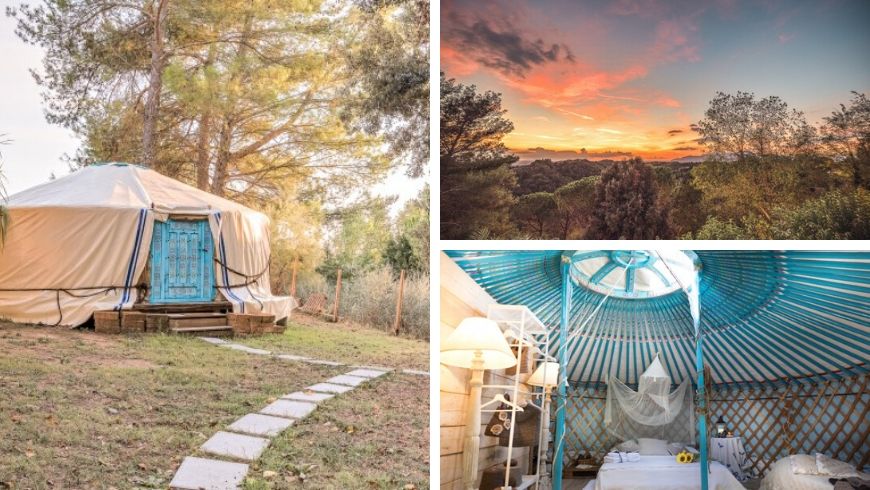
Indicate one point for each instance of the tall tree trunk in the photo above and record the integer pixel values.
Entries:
(155, 84)
(202, 150)
(225, 140)
(222, 159)
(202, 144)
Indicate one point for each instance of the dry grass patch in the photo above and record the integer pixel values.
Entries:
(376, 436)
(307, 335)
(81, 410)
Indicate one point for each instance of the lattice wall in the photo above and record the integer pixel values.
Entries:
(584, 424)
(830, 418)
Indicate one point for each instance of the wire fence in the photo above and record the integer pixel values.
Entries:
(370, 299)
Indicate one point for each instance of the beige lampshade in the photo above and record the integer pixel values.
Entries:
(540, 378)
(477, 336)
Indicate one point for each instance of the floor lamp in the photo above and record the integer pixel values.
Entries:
(546, 376)
(476, 344)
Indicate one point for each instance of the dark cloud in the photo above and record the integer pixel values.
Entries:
(685, 148)
(502, 47)
(674, 131)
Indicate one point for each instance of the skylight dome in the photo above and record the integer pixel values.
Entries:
(631, 273)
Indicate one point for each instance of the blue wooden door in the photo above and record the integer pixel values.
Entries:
(182, 267)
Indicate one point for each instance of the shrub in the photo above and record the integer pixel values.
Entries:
(370, 299)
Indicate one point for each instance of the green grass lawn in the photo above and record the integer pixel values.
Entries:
(376, 436)
(308, 336)
(81, 410)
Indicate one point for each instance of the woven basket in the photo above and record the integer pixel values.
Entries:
(524, 364)
(528, 424)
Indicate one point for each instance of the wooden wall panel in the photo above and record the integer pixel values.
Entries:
(461, 297)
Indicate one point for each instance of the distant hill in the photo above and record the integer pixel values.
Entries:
(690, 159)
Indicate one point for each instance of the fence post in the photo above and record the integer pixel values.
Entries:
(398, 323)
(337, 296)
(293, 277)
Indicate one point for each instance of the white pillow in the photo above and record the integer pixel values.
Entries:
(834, 467)
(674, 448)
(653, 447)
(803, 464)
(629, 446)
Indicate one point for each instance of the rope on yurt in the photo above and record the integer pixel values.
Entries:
(249, 279)
(69, 292)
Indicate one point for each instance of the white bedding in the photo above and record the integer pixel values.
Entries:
(780, 477)
(662, 473)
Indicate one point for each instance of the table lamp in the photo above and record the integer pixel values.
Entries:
(720, 427)
(476, 344)
(546, 376)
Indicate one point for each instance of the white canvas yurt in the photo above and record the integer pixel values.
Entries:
(108, 237)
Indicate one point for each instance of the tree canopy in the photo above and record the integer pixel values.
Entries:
(476, 180)
(625, 205)
(295, 107)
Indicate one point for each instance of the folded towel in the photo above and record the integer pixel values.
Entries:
(621, 457)
(612, 458)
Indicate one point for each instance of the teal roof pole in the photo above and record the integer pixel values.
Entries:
(694, 293)
(561, 399)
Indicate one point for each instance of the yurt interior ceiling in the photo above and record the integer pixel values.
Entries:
(784, 338)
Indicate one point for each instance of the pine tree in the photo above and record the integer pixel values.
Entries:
(625, 205)
(476, 180)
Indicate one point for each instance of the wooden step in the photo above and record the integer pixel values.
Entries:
(196, 320)
(207, 307)
(202, 314)
(210, 330)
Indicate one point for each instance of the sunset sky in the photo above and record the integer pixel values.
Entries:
(629, 77)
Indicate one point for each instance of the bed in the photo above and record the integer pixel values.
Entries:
(661, 473)
(782, 477)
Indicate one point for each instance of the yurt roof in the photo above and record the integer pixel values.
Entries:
(122, 185)
(766, 316)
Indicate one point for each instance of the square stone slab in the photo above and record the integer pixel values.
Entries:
(308, 397)
(344, 379)
(329, 388)
(213, 340)
(325, 363)
(366, 373)
(291, 357)
(247, 448)
(289, 408)
(260, 425)
(208, 474)
(245, 348)
(418, 373)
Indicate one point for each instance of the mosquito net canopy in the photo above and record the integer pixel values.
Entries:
(653, 410)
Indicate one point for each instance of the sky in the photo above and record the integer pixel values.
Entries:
(35, 149)
(612, 79)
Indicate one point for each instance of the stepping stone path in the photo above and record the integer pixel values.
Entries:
(198, 473)
(257, 424)
(246, 438)
(290, 357)
(236, 446)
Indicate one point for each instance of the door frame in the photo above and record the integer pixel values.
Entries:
(156, 272)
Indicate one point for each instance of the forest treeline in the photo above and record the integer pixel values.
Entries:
(297, 108)
(767, 174)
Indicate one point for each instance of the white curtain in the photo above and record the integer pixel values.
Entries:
(653, 410)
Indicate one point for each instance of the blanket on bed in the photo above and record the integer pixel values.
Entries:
(662, 473)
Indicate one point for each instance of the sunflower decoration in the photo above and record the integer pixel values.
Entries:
(685, 457)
